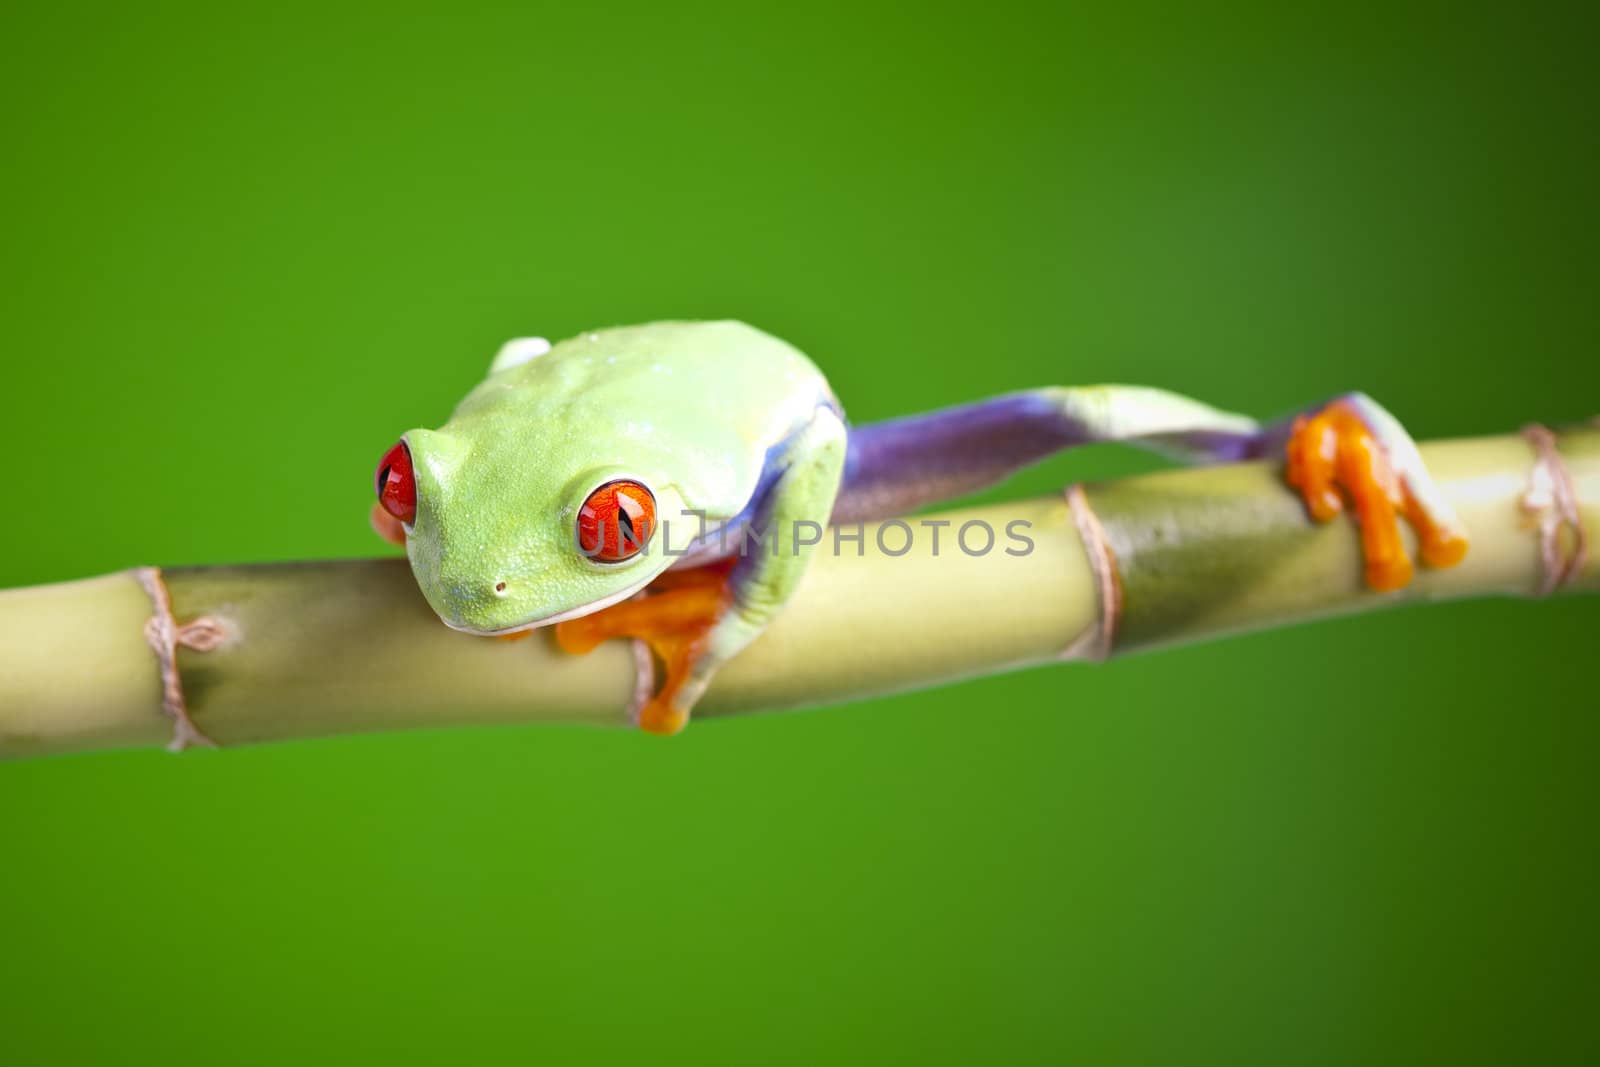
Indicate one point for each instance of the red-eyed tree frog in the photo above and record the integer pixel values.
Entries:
(578, 474)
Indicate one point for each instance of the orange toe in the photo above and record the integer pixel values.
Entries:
(1312, 457)
(1441, 547)
(659, 717)
(1364, 473)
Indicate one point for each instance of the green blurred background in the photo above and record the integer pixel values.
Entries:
(244, 248)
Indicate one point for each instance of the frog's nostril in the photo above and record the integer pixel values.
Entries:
(499, 588)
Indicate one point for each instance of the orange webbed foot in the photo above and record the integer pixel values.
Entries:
(1336, 454)
(673, 617)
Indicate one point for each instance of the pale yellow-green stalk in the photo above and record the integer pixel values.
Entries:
(309, 649)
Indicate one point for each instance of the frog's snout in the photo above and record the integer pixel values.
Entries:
(492, 603)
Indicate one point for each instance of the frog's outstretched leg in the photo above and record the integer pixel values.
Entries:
(1351, 445)
(699, 618)
(902, 464)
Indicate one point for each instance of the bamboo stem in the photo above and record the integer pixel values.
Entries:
(308, 649)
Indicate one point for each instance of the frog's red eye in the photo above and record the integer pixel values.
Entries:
(616, 521)
(397, 488)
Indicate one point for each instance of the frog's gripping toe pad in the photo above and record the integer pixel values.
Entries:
(673, 618)
(1344, 452)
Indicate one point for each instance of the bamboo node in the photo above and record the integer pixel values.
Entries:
(1096, 642)
(164, 636)
(644, 679)
(1551, 502)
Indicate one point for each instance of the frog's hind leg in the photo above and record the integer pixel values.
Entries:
(1349, 448)
(902, 464)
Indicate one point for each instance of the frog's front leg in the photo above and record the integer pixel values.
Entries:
(1350, 447)
(696, 620)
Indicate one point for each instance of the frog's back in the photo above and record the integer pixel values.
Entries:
(720, 392)
(726, 367)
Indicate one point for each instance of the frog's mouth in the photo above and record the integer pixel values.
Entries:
(560, 616)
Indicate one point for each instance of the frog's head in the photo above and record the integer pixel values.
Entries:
(499, 543)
